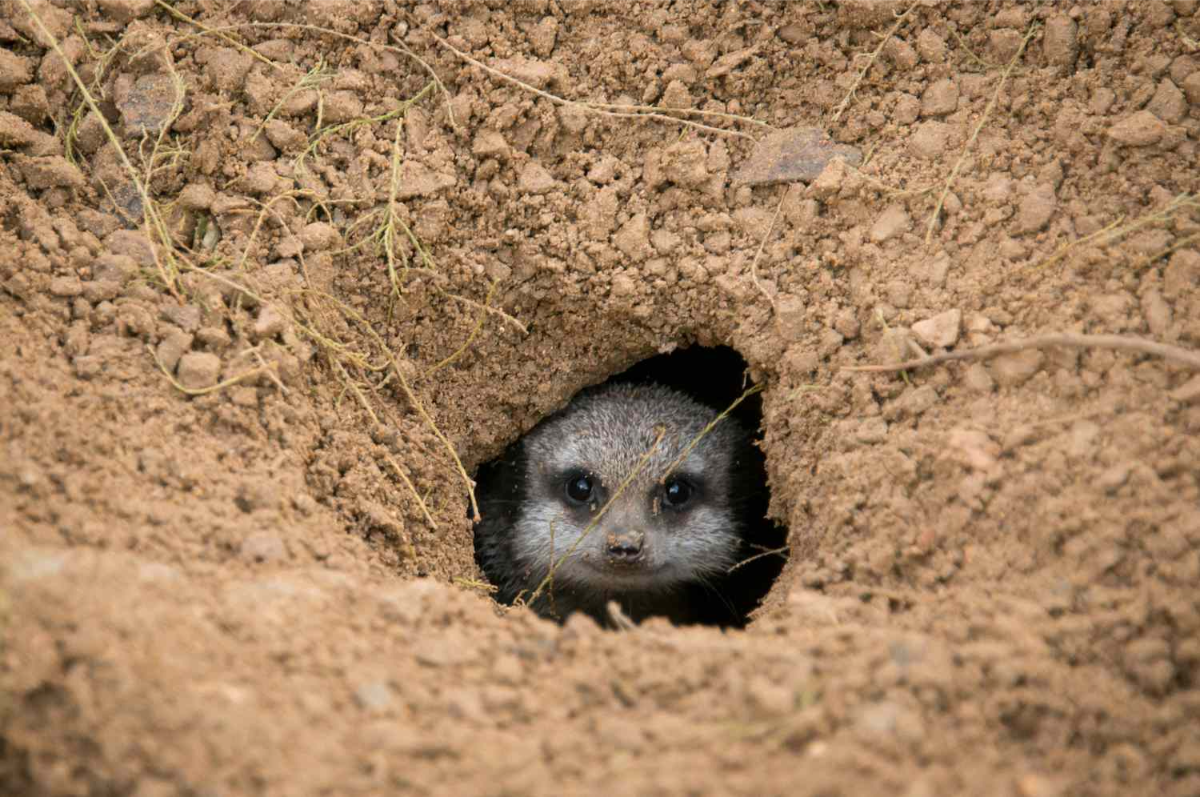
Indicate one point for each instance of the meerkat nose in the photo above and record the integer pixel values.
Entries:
(625, 547)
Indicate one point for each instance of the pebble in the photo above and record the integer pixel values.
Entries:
(1036, 209)
(939, 331)
(929, 140)
(977, 378)
(1059, 42)
(198, 370)
(534, 179)
(66, 287)
(794, 154)
(892, 222)
(1168, 103)
(1188, 392)
(172, 347)
(940, 99)
(1141, 129)
(262, 546)
(1011, 370)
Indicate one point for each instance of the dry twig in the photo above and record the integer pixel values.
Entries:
(1068, 340)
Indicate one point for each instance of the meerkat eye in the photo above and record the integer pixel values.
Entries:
(579, 488)
(677, 492)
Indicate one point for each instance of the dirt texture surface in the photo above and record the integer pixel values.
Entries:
(287, 273)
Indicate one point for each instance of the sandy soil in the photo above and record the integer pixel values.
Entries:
(234, 554)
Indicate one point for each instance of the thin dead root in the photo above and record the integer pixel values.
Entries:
(151, 219)
(1068, 340)
(487, 308)
(470, 338)
(352, 314)
(470, 583)
(201, 391)
(262, 214)
(1117, 230)
(595, 521)
(987, 112)
(232, 42)
(763, 245)
(773, 552)
(608, 109)
(747, 393)
(874, 56)
(412, 489)
(350, 385)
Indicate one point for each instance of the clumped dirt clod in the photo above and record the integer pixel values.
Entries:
(371, 244)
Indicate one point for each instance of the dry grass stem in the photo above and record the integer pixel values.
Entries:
(763, 245)
(750, 391)
(871, 60)
(1068, 340)
(609, 109)
(987, 112)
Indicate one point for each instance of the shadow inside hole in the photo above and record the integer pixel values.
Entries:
(714, 376)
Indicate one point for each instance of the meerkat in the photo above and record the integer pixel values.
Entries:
(622, 496)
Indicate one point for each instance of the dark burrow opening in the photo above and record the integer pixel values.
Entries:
(690, 541)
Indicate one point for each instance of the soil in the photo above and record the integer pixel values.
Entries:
(238, 407)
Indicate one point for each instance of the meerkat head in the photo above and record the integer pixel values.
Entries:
(615, 501)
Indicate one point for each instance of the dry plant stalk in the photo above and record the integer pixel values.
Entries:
(871, 60)
(987, 112)
(1068, 340)
(609, 109)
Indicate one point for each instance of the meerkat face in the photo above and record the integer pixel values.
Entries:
(616, 501)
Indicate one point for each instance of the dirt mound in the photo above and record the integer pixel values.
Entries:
(276, 278)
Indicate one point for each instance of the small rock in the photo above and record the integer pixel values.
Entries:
(268, 324)
(1191, 87)
(534, 179)
(15, 131)
(172, 347)
(66, 287)
(1060, 42)
(197, 196)
(1036, 210)
(929, 140)
(1011, 370)
(1182, 273)
(1157, 312)
(491, 144)
(892, 222)
(829, 182)
(940, 331)
(527, 70)
(633, 239)
(376, 696)
(796, 153)
(978, 379)
(1142, 129)
(261, 178)
(1113, 478)
(1188, 392)
(263, 546)
(199, 370)
(1168, 103)
(50, 171)
(940, 99)
(15, 70)
(125, 10)
(187, 317)
(973, 449)
(148, 106)
(416, 179)
(319, 236)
